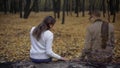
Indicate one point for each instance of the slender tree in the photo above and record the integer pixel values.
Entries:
(49, 4)
(63, 14)
(56, 8)
(80, 5)
(111, 9)
(45, 7)
(103, 7)
(36, 7)
(108, 9)
(20, 8)
(114, 11)
(111, 4)
(76, 7)
(13, 5)
(27, 9)
(39, 5)
(5, 6)
(70, 1)
(91, 6)
(117, 5)
(67, 6)
(83, 8)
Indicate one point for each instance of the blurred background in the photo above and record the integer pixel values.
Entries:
(17, 17)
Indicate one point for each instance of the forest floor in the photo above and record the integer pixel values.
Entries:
(68, 37)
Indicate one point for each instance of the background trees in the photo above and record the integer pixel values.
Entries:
(56, 8)
(11, 26)
(24, 7)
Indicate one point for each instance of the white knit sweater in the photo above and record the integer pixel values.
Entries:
(42, 49)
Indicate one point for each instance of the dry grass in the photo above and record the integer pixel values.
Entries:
(68, 39)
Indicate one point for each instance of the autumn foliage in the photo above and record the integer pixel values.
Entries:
(68, 38)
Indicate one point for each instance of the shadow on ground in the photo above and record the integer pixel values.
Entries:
(59, 64)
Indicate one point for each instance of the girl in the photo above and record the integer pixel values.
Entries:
(41, 42)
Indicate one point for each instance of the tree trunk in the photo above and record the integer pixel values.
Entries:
(54, 8)
(91, 6)
(36, 7)
(67, 7)
(117, 5)
(63, 17)
(80, 5)
(58, 8)
(49, 4)
(114, 11)
(112, 8)
(5, 6)
(39, 5)
(103, 8)
(13, 6)
(70, 7)
(108, 8)
(83, 8)
(76, 8)
(45, 8)
(27, 9)
(20, 8)
(111, 4)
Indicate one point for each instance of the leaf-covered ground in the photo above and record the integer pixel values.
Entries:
(68, 38)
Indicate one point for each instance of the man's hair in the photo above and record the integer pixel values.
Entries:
(96, 13)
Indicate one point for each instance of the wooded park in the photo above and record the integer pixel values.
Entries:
(17, 17)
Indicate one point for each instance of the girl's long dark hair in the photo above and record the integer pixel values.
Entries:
(45, 25)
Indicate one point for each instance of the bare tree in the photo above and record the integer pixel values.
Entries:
(67, 7)
(91, 6)
(35, 6)
(76, 7)
(83, 8)
(103, 7)
(45, 7)
(20, 8)
(70, 1)
(27, 8)
(5, 6)
(117, 5)
(111, 9)
(13, 7)
(63, 14)
(56, 8)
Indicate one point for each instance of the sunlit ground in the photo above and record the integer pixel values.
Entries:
(68, 38)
